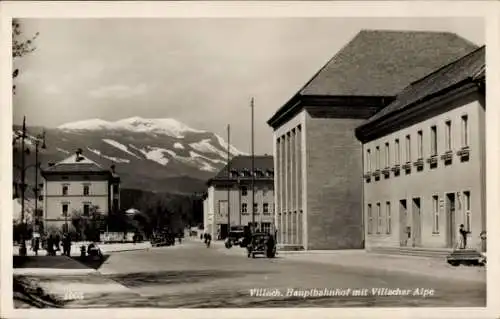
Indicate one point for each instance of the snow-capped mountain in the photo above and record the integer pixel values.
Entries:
(150, 154)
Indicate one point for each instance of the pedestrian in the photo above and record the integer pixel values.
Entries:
(463, 235)
(57, 242)
(67, 245)
(50, 245)
(209, 239)
(35, 245)
(201, 236)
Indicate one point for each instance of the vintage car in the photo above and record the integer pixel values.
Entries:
(261, 244)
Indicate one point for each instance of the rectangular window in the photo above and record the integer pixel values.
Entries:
(388, 219)
(435, 214)
(420, 143)
(65, 190)
(370, 220)
(264, 192)
(448, 136)
(408, 149)
(467, 211)
(265, 227)
(368, 160)
(387, 155)
(244, 191)
(65, 209)
(85, 190)
(86, 209)
(244, 208)
(377, 157)
(265, 208)
(397, 152)
(434, 150)
(465, 131)
(256, 208)
(379, 219)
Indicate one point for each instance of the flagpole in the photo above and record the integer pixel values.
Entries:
(229, 181)
(253, 163)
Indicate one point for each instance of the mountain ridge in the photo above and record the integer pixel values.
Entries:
(160, 155)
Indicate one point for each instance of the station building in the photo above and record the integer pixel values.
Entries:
(317, 158)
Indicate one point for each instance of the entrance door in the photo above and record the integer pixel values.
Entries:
(403, 222)
(224, 231)
(417, 223)
(450, 220)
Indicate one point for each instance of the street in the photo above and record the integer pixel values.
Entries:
(190, 275)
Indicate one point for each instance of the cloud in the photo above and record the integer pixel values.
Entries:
(119, 91)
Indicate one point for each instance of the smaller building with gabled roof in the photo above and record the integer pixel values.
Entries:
(78, 185)
(228, 200)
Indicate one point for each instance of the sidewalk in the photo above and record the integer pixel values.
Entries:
(390, 264)
(361, 260)
(105, 248)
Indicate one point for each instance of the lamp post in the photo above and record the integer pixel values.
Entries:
(253, 164)
(39, 142)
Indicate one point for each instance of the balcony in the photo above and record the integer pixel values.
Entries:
(376, 174)
(386, 172)
(396, 168)
(433, 159)
(407, 167)
(367, 176)
(464, 153)
(447, 157)
(419, 164)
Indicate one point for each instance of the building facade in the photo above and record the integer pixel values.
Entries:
(424, 161)
(77, 185)
(318, 159)
(228, 200)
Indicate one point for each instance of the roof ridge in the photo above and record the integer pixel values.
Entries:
(446, 66)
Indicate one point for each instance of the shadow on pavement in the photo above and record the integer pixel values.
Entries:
(91, 263)
(177, 277)
(54, 262)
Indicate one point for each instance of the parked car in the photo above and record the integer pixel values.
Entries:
(262, 244)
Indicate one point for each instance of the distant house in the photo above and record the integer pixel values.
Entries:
(78, 184)
(317, 157)
(425, 161)
(229, 193)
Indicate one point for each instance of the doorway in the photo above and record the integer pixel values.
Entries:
(404, 233)
(450, 220)
(223, 231)
(416, 223)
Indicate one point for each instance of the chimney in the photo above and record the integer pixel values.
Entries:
(78, 155)
(113, 168)
(51, 164)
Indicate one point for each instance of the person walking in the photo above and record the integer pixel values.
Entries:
(209, 239)
(57, 242)
(50, 245)
(35, 245)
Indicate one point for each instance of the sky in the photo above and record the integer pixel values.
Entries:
(200, 71)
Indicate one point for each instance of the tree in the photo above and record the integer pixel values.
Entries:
(88, 227)
(20, 45)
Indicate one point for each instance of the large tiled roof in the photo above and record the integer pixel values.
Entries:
(469, 67)
(380, 63)
(241, 164)
(75, 164)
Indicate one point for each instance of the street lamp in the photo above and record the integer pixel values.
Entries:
(39, 142)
